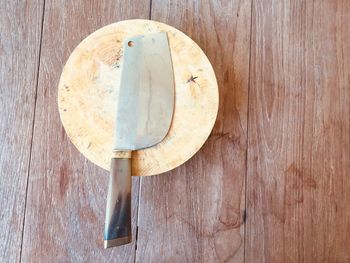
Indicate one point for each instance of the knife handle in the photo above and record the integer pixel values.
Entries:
(118, 211)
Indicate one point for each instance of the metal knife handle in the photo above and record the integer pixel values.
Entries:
(118, 211)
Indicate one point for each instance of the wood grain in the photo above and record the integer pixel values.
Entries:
(195, 214)
(298, 147)
(20, 29)
(299, 132)
(66, 193)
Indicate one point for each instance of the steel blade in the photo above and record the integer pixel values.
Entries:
(146, 99)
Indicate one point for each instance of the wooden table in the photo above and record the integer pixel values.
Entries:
(270, 185)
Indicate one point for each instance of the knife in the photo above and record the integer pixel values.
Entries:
(143, 117)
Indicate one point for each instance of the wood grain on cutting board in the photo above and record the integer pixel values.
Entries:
(195, 213)
(298, 185)
(66, 193)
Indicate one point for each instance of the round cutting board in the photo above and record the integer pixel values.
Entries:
(89, 87)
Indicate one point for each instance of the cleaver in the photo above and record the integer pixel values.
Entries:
(143, 117)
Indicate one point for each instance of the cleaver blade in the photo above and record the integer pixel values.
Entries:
(145, 107)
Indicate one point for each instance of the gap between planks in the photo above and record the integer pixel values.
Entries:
(32, 128)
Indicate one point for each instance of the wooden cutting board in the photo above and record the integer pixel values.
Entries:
(89, 86)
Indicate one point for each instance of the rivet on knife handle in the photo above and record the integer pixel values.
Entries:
(118, 211)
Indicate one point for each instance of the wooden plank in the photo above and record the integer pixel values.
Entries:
(195, 213)
(299, 132)
(20, 30)
(66, 193)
